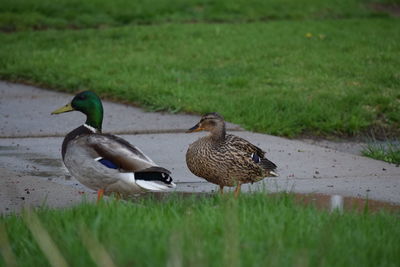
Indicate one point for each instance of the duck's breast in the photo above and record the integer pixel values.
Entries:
(205, 160)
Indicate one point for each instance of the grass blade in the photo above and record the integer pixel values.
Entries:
(44, 240)
(96, 250)
(5, 248)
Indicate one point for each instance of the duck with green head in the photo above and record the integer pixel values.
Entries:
(105, 162)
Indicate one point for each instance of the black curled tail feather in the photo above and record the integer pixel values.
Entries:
(154, 176)
(268, 165)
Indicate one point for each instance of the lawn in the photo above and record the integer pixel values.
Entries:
(288, 68)
(328, 77)
(60, 14)
(256, 230)
(386, 151)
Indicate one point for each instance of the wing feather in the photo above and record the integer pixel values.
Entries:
(126, 156)
(244, 145)
(255, 154)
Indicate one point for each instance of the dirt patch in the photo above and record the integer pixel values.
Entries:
(319, 201)
(392, 9)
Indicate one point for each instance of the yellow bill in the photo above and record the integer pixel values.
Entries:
(66, 108)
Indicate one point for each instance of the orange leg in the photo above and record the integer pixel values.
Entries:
(221, 189)
(237, 190)
(100, 194)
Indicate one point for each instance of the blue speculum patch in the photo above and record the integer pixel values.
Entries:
(108, 163)
(255, 158)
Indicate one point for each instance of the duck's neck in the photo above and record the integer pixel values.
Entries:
(218, 133)
(94, 118)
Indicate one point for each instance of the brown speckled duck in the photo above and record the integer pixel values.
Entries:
(225, 159)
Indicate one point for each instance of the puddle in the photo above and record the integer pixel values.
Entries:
(40, 173)
(46, 162)
(17, 159)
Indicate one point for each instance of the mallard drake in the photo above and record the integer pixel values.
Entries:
(105, 162)
(225, 159)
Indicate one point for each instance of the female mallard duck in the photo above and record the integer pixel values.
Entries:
(225, 159)
(105, 162)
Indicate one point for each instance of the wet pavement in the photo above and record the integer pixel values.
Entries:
(30, 142)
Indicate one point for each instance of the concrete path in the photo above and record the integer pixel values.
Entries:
(31, 171)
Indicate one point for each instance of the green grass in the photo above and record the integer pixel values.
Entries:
(282, 67)
(267, 77)
(211, 231)
(43, 14)
(387, 151)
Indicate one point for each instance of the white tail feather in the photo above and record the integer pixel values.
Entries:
(153, 186)
(273, 173)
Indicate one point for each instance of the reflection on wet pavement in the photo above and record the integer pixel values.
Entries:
(47, 161)
(20, 159)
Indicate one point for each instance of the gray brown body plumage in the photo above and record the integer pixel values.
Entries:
(227, 160)
(105, 162)
(82, 151)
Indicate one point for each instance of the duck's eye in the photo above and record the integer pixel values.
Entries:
(81, 97)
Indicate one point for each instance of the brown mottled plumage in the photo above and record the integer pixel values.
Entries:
(225, 159)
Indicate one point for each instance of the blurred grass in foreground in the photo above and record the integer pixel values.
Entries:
(255, 230)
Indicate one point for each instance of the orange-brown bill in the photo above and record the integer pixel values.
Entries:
(195, 128)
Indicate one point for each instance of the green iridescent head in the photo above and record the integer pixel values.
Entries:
(88, 103)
